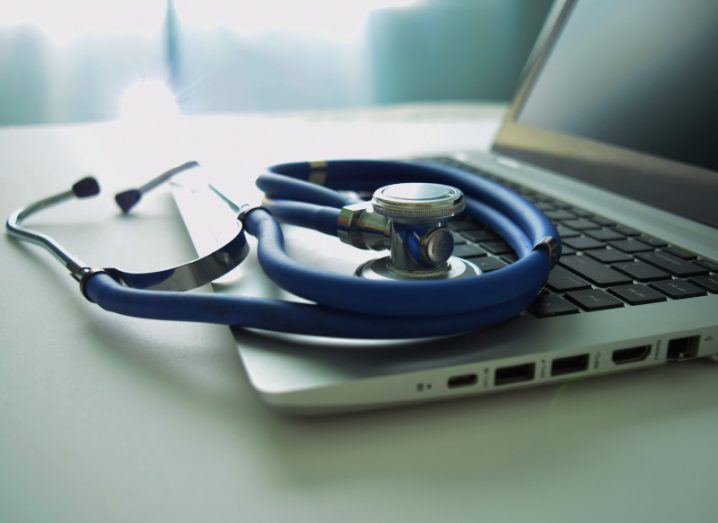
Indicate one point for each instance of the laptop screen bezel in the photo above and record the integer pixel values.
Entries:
(677, 187)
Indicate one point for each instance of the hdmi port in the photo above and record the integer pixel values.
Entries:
(631, 355)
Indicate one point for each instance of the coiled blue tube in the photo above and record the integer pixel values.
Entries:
(284, 316)
(369, 175)
(308, 215)
(353, 307)
(393, 297)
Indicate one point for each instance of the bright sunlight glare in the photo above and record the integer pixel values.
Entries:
(148, 100)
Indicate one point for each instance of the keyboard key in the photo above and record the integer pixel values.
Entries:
(458, 239)
(509, 258)
(602, 221)
(708, 264)
(625, 230)
(671, 264)
(582, 213)
(641, 271)
(468, 251)
(489, 264)
(583, 243)
(542, 198)
(594, 299)
(566, 250)
(604, 234)
(479, 235)
(708, 282)
(566, 232)
(637, 294)
(547, 305)
(593, 271)
(630, 246)
(561, 280)
(652, 241)
(560, 214)
(544, 206)
(558, 203)
(681, 253)
(678, 289)
(497, 246)
(462, 225)
(609, 255)
(581, 224)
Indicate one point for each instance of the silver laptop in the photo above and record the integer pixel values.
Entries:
(614, 135)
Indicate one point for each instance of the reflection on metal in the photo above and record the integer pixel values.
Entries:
(318, 172)
(410, 219)
(192, 274)
(47, 242)
(381, 269)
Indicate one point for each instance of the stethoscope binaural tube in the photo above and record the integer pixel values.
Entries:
(190, 275)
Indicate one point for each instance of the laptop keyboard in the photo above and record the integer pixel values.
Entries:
(604, 264)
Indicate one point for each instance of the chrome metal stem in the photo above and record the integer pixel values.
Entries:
(236, 207)
(159, 180)
(72, 263)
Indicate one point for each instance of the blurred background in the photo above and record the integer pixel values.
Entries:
(84, 60)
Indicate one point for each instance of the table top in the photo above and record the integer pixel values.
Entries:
(109, 418)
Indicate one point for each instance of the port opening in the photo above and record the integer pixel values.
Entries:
(683, 348)
(569, 364)
(463, 380)
(514, 374)
(631, 354)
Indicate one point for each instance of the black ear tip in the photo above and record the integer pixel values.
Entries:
(127, 199)
(86, 187)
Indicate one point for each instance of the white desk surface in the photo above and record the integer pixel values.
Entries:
(107, 418)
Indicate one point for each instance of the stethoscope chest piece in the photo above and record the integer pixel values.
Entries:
(420, 243)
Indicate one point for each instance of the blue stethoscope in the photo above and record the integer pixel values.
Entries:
(418, 290)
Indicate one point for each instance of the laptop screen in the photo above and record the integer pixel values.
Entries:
(640, 77)
(643, 76)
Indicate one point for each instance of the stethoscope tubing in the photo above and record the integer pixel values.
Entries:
(285, 316)
(391, 297)
(348, 306)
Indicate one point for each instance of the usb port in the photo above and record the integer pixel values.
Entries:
(631, 354)
(683, 348)
(569, 364)
(463, 380)
(514, 374)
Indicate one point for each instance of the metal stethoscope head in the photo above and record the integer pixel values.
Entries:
(183, 277)
(411, 220)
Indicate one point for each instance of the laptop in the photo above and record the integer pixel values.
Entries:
(613, 133)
